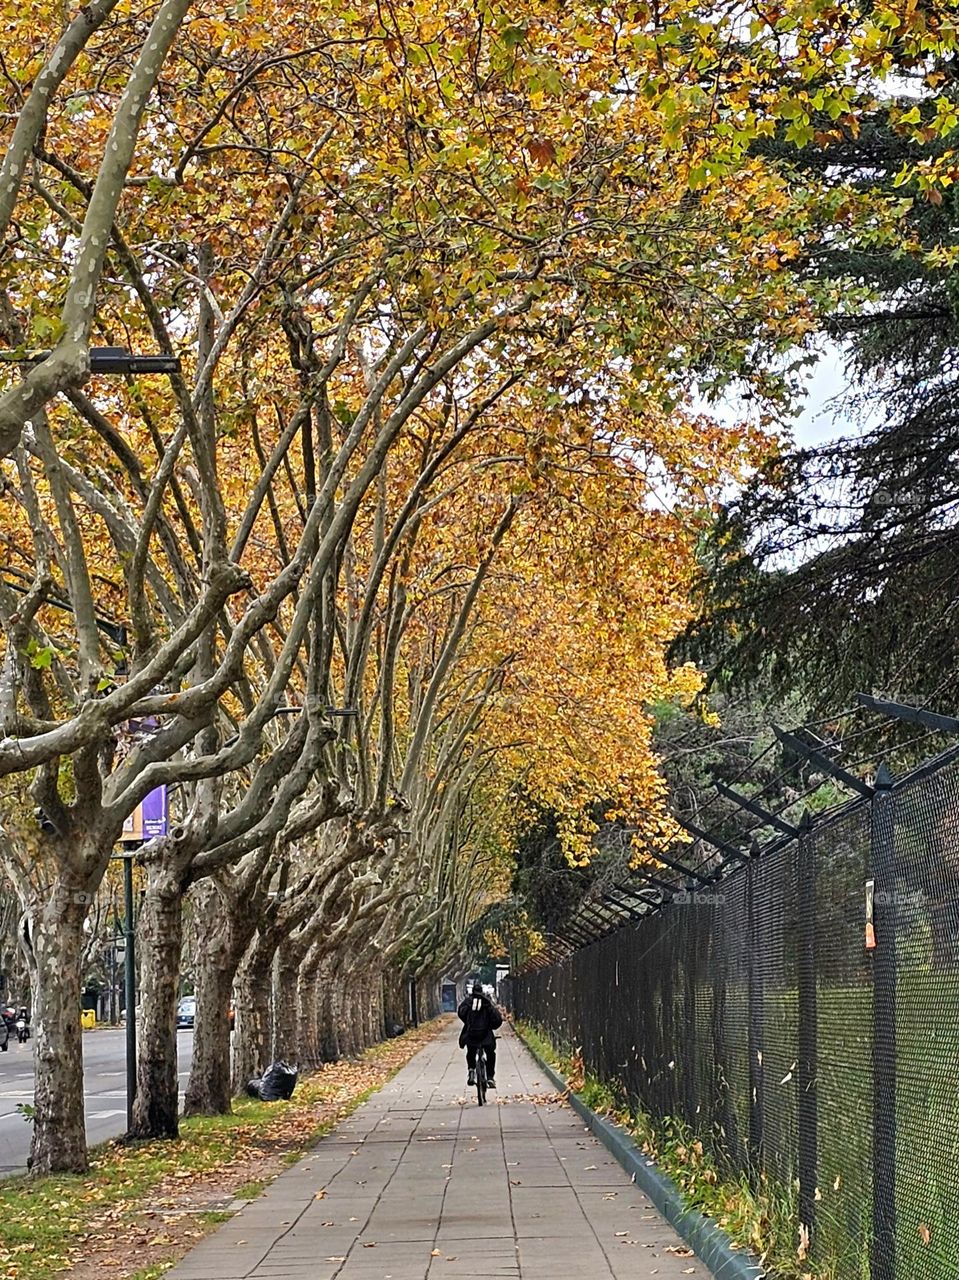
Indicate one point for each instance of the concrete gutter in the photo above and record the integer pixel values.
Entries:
(704, 1237)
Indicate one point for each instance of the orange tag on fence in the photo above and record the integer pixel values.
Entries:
(870, 915)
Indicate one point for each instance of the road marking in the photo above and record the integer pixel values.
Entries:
(103, 1115)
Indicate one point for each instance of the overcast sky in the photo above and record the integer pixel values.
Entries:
(827, 413)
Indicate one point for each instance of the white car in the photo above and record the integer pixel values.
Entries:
(186, 1012)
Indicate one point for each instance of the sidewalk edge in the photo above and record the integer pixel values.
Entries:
(710, 1243)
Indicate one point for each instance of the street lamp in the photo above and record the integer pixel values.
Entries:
(341, 713)
(104, 360)
(334, 712)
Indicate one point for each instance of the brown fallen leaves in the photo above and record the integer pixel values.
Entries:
(149, 1204)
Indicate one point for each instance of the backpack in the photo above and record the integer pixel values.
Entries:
(481, 1021)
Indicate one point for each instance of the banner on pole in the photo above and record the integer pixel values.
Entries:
(149, 819)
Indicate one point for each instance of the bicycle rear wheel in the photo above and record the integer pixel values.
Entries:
(481, 1077)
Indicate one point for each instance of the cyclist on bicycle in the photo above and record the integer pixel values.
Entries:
(480, 1018)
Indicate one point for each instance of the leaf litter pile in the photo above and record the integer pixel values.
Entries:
(142, 1207)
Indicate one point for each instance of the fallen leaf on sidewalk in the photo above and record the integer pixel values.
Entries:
(123, 1187)
(320, 1195)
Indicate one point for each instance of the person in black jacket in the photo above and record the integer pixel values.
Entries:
(480, 1018)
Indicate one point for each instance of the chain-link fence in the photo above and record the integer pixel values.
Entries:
(801, 1016)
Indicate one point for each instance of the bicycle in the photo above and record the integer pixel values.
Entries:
(481, 1076)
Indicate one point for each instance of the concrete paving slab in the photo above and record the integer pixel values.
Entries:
(420, 1183)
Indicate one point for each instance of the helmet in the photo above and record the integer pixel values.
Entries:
(477, 988)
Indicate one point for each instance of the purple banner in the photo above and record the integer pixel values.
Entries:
(155, 813)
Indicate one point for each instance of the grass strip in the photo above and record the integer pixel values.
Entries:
(762, 1219)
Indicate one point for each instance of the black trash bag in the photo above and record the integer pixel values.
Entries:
(277, 1083)
(394, 1030)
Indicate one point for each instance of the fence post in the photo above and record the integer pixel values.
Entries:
(665, 1084)
(883, 1257)
(756, 1023)
(690, 1045)
(808, 1031)
(722, 1114)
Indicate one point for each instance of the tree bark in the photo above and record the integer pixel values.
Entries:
(325, 1035)
(251, 1035)
(376, 1021)
(395, 1010)
(337, 1039)
(208, 1091)
(356, 1014)
(346, 1028)
(306, 1014)
(284, 1038)
(160, 936)
(59, 1139)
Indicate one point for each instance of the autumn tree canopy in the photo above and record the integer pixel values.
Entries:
(406, 536)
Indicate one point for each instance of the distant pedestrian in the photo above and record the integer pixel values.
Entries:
(480, 1018)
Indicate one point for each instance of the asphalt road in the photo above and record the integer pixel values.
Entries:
(104, 1059)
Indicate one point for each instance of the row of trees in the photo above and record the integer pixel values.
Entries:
(398, 551)
(831, 570)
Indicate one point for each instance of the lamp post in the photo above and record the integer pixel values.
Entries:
(129, 978)
(130, 985)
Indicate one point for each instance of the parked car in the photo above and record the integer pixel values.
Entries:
(186, 1012)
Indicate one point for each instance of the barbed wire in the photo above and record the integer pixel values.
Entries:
(604, 913)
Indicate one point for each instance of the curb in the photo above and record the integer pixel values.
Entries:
(704, 1237)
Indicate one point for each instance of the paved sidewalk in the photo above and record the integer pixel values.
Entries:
(420, 1183)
